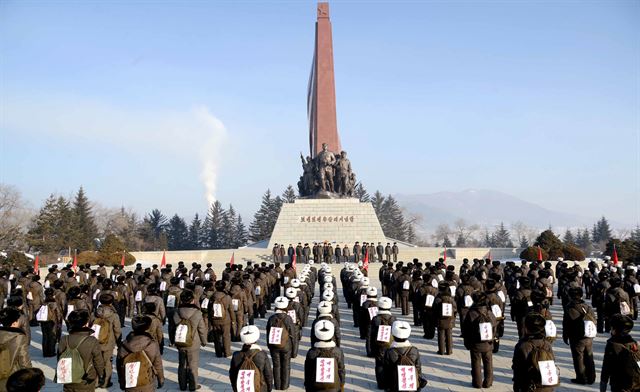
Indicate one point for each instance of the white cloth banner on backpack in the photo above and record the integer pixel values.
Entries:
(43, 313)
(548, 373)
(502, 297)
(373, 312)
(550, 329)
(486, 332)
(78, 278)
(384, 333)
(625, 310)
(363, 298)
(407, 380)
(440, 278)
(292, 314)
(217, 310)
(530, 304)
(236, 304)
(325, 370)
(549, 292)
(406, 285)
(258, 290)
(590, 330)
(447, 310)
(139, 296)
(95, 294)
(496, 310)
(468, 301)
(96, 330)
(275, 335)
(30, 296)
(244, 383)
(70, 308)
(207, 276)
(63, 371)
(181, 333)
(429, 300)
(171, 301)
(181, 284)
(285, 280)
(47, 284)
(452, 290)
(434, 283)
(204, 304)
(163, 285)
(131, 372)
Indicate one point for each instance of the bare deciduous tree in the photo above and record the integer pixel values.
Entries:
(14, 217)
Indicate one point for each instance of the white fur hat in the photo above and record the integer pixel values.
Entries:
(365, 281)
(401, 330)
(324, 330)
(372, 292)
(327, 279)
(282, 302)
(291, 293)
(324, 307)
(327, 286)
(249, 334)
(384, 303)
(295, 283)
(327, 295)
(311, 261)
(560, 258)
(357, 278)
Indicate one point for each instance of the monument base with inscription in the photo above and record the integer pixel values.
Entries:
(343, 221)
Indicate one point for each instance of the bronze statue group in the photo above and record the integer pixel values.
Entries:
(198, 308)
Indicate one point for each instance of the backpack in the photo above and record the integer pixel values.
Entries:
(70, 368)
(44, 314)
(628, 364)
(6, 361)
(618, 305)
(587, 326)
(184, 334)
(483, 328)
(446, 305)
(102, 329)
(407, 372)
(384, 322)
(541, 361)
(325, 355)
(284, 335)
(249, 365)
(146, 371)
(217, 309)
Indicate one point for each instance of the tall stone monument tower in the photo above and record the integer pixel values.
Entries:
(327, 211)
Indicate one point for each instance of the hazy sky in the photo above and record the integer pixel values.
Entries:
(135, 100)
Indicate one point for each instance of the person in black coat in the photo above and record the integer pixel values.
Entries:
(324, 349)
(574, 334)
(402, 353)
(249, 335)
(281, 353)
(479, 332)
(378, 343)
(618, 357)
(534, 338)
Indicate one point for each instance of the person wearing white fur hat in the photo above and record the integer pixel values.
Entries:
(401, 365)
(251, 357)
(281, 338)
(367, 311)
(325, 313)
(380, 337)
(359, 297)
(330, 297)
(324, 365)
(295, 311)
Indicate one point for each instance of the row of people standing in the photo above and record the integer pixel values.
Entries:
(328, 253)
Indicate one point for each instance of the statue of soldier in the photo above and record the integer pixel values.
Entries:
(343, 174)
(325, 162)
(307, 176)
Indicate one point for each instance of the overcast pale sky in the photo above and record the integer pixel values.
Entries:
(136, 100)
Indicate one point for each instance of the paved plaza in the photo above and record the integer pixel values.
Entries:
(445, 373)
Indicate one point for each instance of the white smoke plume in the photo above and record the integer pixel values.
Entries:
(211, 150)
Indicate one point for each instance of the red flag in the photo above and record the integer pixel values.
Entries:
(232, 261)
(365, 262)
(75, 262)
(489, 254)
(539, 254)
(36, 266)
(122, 260)
(615, 255)
(445, 255)
(293, 263)
(163, 263)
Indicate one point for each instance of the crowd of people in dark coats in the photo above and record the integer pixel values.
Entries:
(198, 308)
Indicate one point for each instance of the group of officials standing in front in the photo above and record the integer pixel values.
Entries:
(197, 308)
(327, 253)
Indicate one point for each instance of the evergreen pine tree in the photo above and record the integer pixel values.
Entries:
(260, 228)
(524, 242)
(362, 193)
(446, 242)
(411, 234)
(84, 226)
(604, 230)
(241, 233)
(42, 234)
(635, 235)
(289, 195)
(377, 200)
(229, 226)
(153, 230)
(195, 233)
(65, 231)
(595, 234)
(213, 230)
(501, 237)
(392, 219)
(569, 238)
(177, 234)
